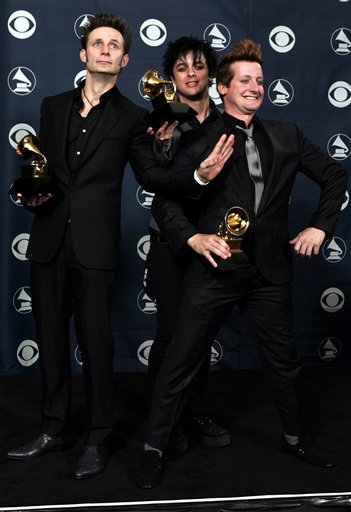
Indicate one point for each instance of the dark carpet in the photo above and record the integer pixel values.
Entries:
(245, 475)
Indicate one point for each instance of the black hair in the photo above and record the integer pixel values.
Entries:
(182, 46)
(107, 20)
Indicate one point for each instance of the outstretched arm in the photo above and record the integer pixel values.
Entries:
(178, 178)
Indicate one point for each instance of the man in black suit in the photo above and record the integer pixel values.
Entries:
(191, 65)
(259, 283)
(88, 135)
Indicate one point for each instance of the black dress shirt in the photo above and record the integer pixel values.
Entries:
(80, 127)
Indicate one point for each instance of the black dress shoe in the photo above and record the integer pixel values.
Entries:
(208, 432)
(305, 451)
(150, 470)
(92, 462)
(43, 444)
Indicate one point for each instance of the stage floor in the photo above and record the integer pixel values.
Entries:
(252, 473)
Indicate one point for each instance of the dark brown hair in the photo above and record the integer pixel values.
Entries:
(245, 49)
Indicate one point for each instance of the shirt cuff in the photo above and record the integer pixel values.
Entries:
(200, 182)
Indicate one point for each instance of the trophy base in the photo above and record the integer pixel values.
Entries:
(238, 258)
(31, 187)
(172, 111)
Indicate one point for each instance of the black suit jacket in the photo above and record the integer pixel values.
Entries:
(267, 237)
(92, 196)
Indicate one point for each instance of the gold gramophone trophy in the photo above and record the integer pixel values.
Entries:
(235, 224)
(162, 94)
(35, 179)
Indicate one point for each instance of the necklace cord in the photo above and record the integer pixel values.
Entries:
(86, 97)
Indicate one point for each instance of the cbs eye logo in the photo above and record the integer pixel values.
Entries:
(18, 131)
(339, 94)
(143, 247)
(144, 351)
(79, 78)
(78, 356)
(19, 246)
(21, 24)
(332, 300)
(153, 32)
(27, 353)
(282, 39)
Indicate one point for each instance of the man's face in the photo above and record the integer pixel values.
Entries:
(104, 53)
(245, 93)
(191, 77)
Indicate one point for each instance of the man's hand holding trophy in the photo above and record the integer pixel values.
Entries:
(35, 185)
(231, 229)
(229, 255)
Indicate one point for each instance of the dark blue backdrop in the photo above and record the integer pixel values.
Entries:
(306, 48)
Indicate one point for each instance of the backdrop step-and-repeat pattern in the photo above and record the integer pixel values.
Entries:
(307, 63)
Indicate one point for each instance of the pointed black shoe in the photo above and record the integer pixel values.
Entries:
(150, 469)
(208, 432)
(308, 453)
(92, 462)
(40, 446)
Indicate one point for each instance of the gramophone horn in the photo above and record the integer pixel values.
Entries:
(27, 147)
(154, 84)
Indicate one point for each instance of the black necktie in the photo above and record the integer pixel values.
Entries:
(254, 163)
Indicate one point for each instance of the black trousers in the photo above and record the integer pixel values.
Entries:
(267, 309)
(59, 289)
(165, 285)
